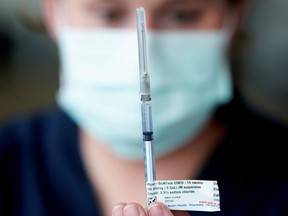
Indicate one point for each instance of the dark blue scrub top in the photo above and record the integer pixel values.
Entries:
(41, 172)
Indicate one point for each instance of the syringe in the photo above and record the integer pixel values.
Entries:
(145, 93)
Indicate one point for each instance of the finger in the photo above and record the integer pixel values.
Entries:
(130, 209)
(159, 209)
(118, 209)
(134, 209)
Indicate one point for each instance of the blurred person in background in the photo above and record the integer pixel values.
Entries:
(85, 157)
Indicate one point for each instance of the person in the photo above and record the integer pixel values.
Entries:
(84, 156)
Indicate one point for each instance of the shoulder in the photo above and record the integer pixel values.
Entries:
(32, 128)
(255, 144)
(32, 137)
(250, 163)
(38, 158)
(245, 123)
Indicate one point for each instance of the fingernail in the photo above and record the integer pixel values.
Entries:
(131, 210)
(155, 210)
(118, 210)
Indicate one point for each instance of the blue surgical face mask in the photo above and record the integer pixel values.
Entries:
(99, 87)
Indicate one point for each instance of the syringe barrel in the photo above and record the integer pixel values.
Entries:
(147, 129)
(147, 125)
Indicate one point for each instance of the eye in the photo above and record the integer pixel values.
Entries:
(183, 16)
(110, 15)
(179, 17)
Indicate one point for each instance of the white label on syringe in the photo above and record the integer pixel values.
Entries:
(188, 195)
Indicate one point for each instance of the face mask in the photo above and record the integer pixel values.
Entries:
(99, 86)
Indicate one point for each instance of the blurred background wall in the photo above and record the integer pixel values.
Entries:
(263, 78)
(29, 61)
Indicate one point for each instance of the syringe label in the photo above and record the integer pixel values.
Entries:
(188, 195)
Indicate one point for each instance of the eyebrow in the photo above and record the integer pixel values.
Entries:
(105, 1)
(188, 1)
(168, 3)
